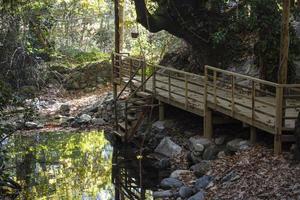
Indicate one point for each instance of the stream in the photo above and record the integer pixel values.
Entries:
(75, 166)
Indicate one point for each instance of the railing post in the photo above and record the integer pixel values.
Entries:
(126, 120)
(154, 80)
(186, 91)
(215, 88)
(253, 94)
(143, 74)
(169, 86)
(278, 121)
(115, 93)
(232, 94)
(207, 115)
(130, 74)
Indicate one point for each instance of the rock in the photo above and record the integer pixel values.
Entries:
(196, 157)
(168, 148)
(190, 133)
(163, 194)
(220, 140)
(84, 118)
(169, 183)
(201, 168)
(186, 192)
(231, 176)
(197, 143)
(221, 154)
(98, 121)
(203, 182)
(158, 128)
(32, 125)
(65, 109)
(211, 152)
(238, 145)
(198, 196)
(178, 173)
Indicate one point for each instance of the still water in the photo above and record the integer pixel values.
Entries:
(69, 166)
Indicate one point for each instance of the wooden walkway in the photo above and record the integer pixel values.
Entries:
(261, 104)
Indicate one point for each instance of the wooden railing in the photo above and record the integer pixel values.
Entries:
(270, 106)
(268, 102)
(177, 85)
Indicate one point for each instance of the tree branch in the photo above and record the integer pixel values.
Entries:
(153, 23)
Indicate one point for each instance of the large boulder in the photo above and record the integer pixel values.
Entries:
(168, 148)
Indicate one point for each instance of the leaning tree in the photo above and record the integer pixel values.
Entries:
(221, 31)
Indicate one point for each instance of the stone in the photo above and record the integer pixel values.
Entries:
(201, 168)
(186, 192)
(196, 158)
(98, 121)
(163, 194)
(84, 118)
(168, 148)
(211, 152)
(65, 109)
(190, 133)
(221, 154)
(198, 196)
(178, 173)
(31, 125)
(169, 183)
(238, 145)
(199, 143)
(158, 126)
(231, 176)
(203, 182)
(220, 140)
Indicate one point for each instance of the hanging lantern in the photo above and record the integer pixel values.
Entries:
(134, 34)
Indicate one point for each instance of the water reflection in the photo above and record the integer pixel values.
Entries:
(134, 178)
(62, 166)
(71, 166)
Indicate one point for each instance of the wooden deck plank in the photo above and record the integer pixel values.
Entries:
(174, 94)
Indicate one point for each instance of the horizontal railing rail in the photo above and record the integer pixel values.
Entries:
(257, 101)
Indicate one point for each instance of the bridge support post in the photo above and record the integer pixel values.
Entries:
(208, 123)
(161, 111)
(277, 144)
(253, 132)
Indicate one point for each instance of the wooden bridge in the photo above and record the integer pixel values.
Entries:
(261, 104)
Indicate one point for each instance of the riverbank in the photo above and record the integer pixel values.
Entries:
(228, 167)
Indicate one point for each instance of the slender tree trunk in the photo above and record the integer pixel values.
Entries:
(284, 50)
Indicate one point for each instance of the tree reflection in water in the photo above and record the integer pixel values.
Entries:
(62, 166)
(71, 166)
(134, 178)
